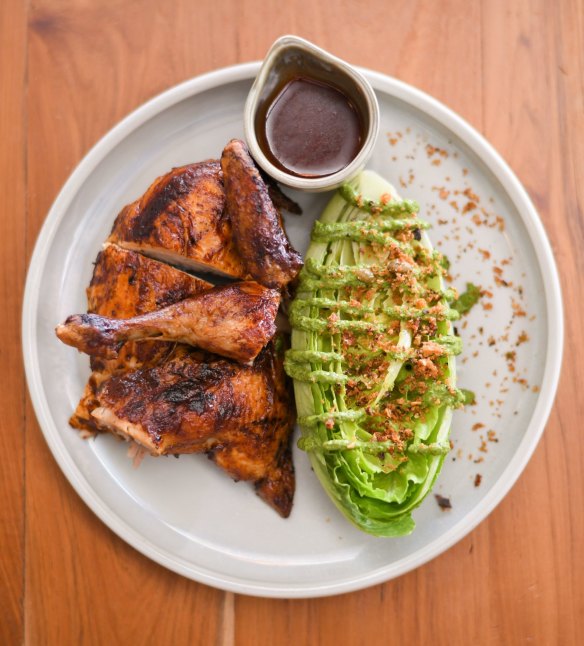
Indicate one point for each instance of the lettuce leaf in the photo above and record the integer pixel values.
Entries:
(375, 490)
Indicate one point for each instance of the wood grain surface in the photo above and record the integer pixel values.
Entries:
(69, 70)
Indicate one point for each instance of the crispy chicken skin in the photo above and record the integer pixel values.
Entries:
(235, 321)
(180, 219)
(162, 394)
(241, 416)
(253, 447)
(257, 226)
(279, 199)
(126, 284)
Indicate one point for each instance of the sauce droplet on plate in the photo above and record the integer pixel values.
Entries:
(311, 128)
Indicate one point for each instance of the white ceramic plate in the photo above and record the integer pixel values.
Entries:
(185, 514)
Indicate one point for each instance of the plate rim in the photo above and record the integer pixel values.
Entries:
(540, 414)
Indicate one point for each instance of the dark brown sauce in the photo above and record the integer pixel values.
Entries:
(310, 128)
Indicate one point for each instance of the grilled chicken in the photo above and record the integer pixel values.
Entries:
(127, 284)
(162, 394)
(241, 416)
(257, 225)
(181, 220)
(235, 321)
(279, 199)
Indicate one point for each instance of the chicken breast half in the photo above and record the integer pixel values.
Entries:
(181, 220)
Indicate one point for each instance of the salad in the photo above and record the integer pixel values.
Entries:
(373, 356)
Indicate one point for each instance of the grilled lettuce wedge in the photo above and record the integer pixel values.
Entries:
(373, 356)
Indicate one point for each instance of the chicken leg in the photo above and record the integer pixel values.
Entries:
(235, 321)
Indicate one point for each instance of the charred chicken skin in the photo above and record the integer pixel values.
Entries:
(127, 284)
(252, 442)
(257, 225)
(235, 321)
(192, 402)
(181, 220)
(147, 385)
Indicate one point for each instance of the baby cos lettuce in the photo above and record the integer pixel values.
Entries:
(344, 322)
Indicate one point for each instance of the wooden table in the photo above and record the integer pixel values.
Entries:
(69, 70)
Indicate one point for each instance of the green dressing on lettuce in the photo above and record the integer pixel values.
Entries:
(373, 356)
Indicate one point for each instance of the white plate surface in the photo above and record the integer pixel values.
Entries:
(185, 514)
